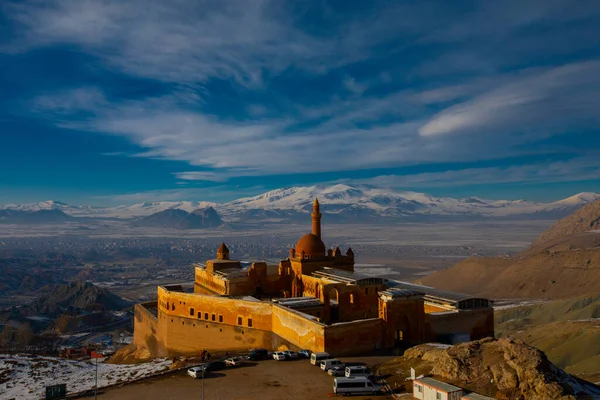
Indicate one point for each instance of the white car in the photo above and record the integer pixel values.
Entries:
(233, 361)
(292, 355)
(196, 372)
(279, 356)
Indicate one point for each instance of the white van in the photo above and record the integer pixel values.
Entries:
(316, 358)
(357, 384)
(357, 371)
(326, 365)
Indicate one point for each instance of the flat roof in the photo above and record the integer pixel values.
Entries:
(476, 396)
(394, 292)
(343, 276)
(446, 387)
(432, 293)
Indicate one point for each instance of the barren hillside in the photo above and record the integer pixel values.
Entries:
(587, 218)
(564, 262)
(567, 330)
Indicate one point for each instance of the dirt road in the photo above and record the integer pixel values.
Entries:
(264, 380)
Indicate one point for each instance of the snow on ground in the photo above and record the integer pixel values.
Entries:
(26, 377)
(505, 304)
(438, 345)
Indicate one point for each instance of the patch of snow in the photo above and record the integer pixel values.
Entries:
(585, 320)
(27, 376)
(438, 345)
(506, 304)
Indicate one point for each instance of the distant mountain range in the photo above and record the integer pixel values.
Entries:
(41, 216)
(180, 219)
(339, 203)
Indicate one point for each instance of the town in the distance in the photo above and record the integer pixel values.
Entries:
(373, 299)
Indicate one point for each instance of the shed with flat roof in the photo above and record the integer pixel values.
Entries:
(432, 389)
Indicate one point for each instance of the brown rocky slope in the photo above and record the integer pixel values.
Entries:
(518, 371)
(587, 218)
(564, 262)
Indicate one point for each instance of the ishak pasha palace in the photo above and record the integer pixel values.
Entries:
(312, 300)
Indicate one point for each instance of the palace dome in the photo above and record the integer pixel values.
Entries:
(312, 246)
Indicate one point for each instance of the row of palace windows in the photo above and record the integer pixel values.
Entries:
(213, 317)
(166, 305)
(194, 325)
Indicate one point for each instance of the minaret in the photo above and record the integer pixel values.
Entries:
(316, 219)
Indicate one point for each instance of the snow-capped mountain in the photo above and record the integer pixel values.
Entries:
(339, 201)
(355, 200)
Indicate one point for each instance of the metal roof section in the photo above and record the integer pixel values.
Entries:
(348, 277)
(247, 298)
(458, 300)
(443, 386)
(432, 292)
(394, 293)
(299, 302)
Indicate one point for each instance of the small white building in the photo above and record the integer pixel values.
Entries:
(432, 389)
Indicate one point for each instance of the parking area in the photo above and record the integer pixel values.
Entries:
(264, 380)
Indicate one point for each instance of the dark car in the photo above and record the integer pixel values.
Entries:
(258, 354)
(214, 365)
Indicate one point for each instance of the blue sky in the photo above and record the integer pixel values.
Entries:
(106, 102)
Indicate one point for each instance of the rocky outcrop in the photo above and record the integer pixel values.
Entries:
(518, 371)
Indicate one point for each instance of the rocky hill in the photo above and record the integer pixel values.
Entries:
(518, 371)
(586, 219)
(180, 219)
(53, 216)
(79, 295)
(564, 262)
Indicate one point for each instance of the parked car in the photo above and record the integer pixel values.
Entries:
(357, 371)
(337, 371)
(304, 353)
(196, 372)
(279, 356)
(234, 362)
(290, 355)
(326, 365)
(258, 354)
(214, 365)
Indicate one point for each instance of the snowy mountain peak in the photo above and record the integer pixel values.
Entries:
(580, 198)
(42, 205)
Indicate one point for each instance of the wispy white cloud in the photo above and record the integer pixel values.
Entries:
(200, 176)
(353, 86)
(546, 100)
(213, 194)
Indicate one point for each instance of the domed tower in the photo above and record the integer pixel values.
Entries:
(222, 252)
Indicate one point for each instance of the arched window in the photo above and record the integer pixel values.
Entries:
(351, 298)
